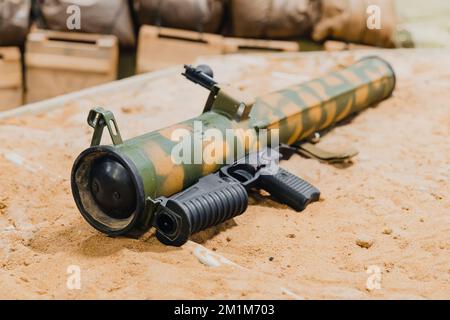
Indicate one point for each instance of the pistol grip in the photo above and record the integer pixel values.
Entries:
(289, 189)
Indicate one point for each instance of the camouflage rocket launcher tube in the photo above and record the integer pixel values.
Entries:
(116, 186)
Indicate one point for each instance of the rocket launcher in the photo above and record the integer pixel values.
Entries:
(198, 173)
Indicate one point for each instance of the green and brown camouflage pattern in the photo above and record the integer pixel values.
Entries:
(298, 112)
(302, 110)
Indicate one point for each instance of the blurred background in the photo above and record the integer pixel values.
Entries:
(53, 47)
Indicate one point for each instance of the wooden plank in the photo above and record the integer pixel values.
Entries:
(69, 63)
(161, 47)
(242, 45)
(11, 89)
(333, 45)
(61, 62)
(10, 54)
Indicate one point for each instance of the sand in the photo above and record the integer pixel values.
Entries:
(381, 229)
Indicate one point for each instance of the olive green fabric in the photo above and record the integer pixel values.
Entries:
(311, 151)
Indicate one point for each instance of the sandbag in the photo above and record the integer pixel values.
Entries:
(14, 21)
(196, 15)
(97, 16)
(347, 20)
(274, 18)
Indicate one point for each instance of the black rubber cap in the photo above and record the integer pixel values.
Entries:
(112, 188)
(166, 224)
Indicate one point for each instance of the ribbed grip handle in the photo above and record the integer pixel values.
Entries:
(209, 202)
(214, 205)
(290, 189)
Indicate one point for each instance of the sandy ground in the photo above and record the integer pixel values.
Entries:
(394, 195)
